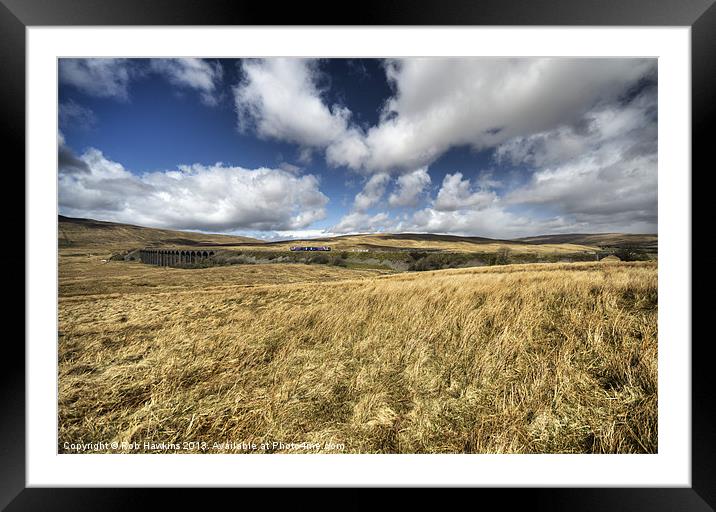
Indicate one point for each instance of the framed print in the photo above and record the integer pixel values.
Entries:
(420, 247)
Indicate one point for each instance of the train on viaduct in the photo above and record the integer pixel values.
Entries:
(173, 257)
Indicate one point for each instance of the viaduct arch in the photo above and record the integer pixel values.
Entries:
(173, 257)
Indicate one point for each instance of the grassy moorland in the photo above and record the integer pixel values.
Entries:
(600, 239)
(421, 241)
(81, 274)
(99, 235)
(102, 236)
(541, 358)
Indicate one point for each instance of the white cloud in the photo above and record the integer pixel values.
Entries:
(439, 103)
(613, 175)
(209, 198)
(597, 175)
(294, 234)
(198, 74)
(410, 188)
(349, 149)
(501, 222)
(487, 180)
(608, 184)
(359, 222)
(496, 221)
(372, 192)
(492, 222)
(289, 167)
(584, 149)
(104, 78)
(442, 102)
(457, 193)
(280, 98)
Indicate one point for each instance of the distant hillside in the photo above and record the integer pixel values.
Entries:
(88, 233)
(598, 239)
(429, 242)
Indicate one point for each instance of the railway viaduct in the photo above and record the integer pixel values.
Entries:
(173, 257)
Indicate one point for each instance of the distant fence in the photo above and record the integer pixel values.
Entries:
(173, 257)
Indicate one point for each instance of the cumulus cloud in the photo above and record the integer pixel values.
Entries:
(596, 175)
(457, 193)
(608, 184)
(289, 167)
(104, 78)
(577, 134)
(279, 97)
(599, 175)
(442, 103)
(210, 198)
(613, 175)
(358, 220)
(439, 103)
(361, 222)
(198, 74)
(294, 234)
(501, 222)
(372, 192)
(492, 222)
(410, 188)
(348, 148)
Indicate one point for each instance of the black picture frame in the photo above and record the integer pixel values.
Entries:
(16, 15)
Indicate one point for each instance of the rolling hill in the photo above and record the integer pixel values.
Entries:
(430, 242)
(597, 239)
(89, 233)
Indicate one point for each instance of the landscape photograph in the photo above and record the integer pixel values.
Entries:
(357, 256)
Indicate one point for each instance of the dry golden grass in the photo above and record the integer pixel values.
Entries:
(88, 275)
(610, 258)
(543, 358)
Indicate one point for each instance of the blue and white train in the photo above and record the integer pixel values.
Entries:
(310, 248)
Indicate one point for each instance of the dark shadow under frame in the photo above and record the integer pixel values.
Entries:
(16, 15)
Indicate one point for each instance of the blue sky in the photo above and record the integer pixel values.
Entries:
(280, 148)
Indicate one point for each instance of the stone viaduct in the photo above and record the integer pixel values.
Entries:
(173, 257)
